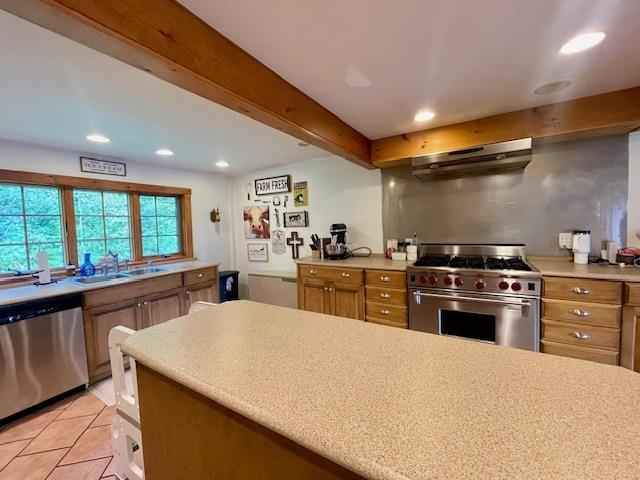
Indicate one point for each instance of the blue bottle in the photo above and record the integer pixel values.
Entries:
(87, 269)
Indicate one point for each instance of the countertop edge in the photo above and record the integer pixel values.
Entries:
(71, 288)
(364, 468)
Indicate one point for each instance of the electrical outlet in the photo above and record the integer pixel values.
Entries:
(565, 240)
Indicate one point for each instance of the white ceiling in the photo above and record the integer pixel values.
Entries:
(464, 59)
(54, 92)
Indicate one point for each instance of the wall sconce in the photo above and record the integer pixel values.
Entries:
(215, 215)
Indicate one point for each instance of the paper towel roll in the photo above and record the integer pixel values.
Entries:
(44, 276)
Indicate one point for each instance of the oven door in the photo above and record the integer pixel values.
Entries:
(500, 319)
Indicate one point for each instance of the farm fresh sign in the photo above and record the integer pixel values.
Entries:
(273, 185)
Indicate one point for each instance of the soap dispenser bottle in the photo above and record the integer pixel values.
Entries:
(87, 269)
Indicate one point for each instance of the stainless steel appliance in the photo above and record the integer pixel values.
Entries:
(487, 293)
(479, 160)
(42, 351)
(337, 249)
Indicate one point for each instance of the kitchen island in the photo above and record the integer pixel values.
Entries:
(247, 390)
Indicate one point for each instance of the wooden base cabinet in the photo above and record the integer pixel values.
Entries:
(140, 305)
(332, 290)
(630, 341)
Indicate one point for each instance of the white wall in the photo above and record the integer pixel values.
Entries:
(339, 192)
(633, 202)
(210, 241)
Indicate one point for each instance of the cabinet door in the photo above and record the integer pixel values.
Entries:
(162, 307)
(98, 322)
(630, 338)
(347, 301)
(202, 292)
(315, 296)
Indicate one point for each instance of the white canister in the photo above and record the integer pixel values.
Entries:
(412, 253)
(581, 246)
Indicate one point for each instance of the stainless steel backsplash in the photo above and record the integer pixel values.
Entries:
(580, 184)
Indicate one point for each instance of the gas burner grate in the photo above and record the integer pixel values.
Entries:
(467, 262)
(513, 263)
(433, 261)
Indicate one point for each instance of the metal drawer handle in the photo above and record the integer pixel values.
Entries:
(188, 292)
(579, 313)
(580, 335)
(580, 290)
(312, 272)
(345, 275)
(385, 295)
(199, 275)
(385, 279)
(145, 303)
(385, 312)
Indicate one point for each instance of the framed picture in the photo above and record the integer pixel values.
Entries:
(273, 185)
(258, 252)
(300, 194)
(296, 219)
(256, 222)
(104, 167)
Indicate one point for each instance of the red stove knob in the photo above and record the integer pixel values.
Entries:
(480, 284)
(503, 285)
(433, 279)
(516, 286)
(423, 278)
(448, 281)
(459, 282)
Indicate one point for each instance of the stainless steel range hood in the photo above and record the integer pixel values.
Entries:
(479, 160)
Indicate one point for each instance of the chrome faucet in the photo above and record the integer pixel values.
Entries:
(114, 256)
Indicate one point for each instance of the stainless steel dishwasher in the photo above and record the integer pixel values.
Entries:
(42, 351)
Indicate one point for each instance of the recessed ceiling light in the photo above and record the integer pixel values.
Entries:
(582, 42)
(424, 116)
(97, 138)
(222, 164)
(552, 87)
(164, 152)
(303, 144)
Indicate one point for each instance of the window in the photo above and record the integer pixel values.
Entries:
(70, 216)
(102, 224)
(30, 220)
(159, 225)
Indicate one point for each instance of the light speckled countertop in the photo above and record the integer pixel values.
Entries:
(397, 404)
(375, 261)
(561, 267)
(25, 293)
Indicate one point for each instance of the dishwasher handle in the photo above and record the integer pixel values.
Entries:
(23, 311)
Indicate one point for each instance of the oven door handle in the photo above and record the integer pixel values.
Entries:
(417, 295)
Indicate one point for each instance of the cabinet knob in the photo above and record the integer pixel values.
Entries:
(385, 295)
(139, 304)
(385, 278)
(188, 292)
(580, 335)
(579, 313)
(326, 289)
(580, 290)
(385, 312)
(145, 303)
(312, 272)
(199, 275)
(345, 275)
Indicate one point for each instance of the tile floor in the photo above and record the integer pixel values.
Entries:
(69, 440)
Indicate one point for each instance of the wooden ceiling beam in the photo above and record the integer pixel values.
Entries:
(608, 113)
(165, 39)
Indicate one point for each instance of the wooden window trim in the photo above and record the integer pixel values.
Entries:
(68, 183)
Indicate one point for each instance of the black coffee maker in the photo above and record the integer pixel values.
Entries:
(337, 249)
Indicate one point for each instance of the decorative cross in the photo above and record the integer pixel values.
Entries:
(295, 243)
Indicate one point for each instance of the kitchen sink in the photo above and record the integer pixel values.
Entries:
(99, 278)
(142, 271)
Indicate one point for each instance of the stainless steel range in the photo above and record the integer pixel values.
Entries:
(487, 293)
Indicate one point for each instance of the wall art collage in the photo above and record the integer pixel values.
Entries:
(271, 213)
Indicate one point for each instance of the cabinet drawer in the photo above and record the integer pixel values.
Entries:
(387, 296)
(632, 293)
(388, 323)
(199, 276)
(583, 353)
(352, 276)
(591, 336)
(582, 312)
(387, 313)
(387, 278)
(599, 291)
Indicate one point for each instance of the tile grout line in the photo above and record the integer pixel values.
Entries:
(74, 443)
